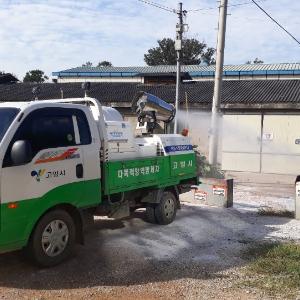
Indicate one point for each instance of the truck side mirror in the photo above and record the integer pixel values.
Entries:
(21, 153)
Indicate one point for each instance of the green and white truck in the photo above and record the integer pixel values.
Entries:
(65, 161)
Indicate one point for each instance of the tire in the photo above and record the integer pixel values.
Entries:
(150, 214)
(53, 239)
(165, 211)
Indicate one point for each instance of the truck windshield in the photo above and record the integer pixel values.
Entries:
(7, 115)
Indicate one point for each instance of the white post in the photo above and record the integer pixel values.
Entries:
(214, 130)
(178, 48)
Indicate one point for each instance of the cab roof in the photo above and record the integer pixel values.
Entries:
(110, 114)
(23, 105)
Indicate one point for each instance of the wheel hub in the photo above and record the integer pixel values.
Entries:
(169, 208)
(55, 238)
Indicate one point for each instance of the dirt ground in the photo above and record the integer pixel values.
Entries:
(199, 256)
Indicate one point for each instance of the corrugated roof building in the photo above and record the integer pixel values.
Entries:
(261, 108)
(192, 72)
(235, 94)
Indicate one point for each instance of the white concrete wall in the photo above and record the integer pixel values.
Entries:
(268, 144)
(247, 77)
(281, 144)
(241, 142)
(243, 146)
(141, 79)
(100, 79)
(198, 123)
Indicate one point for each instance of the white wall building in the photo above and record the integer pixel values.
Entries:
(161, 74)
(261, 115)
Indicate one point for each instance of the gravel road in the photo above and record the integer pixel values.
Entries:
(196, 257)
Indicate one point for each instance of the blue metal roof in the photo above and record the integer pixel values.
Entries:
(193, 70)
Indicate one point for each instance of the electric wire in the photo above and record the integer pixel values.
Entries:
(166, 8)
(169, 9)
(231, 5)
(263, 10)
(276, 22)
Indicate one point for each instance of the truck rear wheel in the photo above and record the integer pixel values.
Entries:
(165, 210)
(53, 239)
(150, 213)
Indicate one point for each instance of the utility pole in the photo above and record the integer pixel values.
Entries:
(215, 117)
(178, 48)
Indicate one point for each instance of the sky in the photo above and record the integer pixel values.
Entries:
(54, 35)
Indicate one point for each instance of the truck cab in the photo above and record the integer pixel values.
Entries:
(61, 159)
(48, 151)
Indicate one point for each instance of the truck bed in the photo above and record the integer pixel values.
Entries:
(160, 171)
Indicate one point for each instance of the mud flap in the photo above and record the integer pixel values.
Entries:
(120, 210)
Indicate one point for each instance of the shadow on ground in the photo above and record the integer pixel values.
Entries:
(201, 242)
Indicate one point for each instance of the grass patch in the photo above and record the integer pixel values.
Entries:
(274, 268)
(269, 211)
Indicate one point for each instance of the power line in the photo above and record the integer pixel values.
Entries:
(276, 22)
(212, 8)
(199, 9)
(169, 9)
(166, 8)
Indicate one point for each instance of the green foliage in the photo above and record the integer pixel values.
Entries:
(164, 54)
(87, 64)
(104, 63)
(194, 52)
(275, 268)
(205, 170)
(35, 76)
(256, 61)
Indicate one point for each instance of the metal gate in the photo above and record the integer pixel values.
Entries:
(281, 144)
(267, 143)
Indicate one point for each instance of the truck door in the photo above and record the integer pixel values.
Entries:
(53, 176)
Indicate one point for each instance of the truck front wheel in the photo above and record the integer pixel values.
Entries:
(165, 210)
(53, 239)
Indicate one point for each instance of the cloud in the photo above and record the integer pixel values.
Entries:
(55, 35)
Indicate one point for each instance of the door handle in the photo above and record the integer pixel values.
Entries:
(79, 171)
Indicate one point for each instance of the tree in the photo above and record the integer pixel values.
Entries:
(104, 63)
(256, 61)
(88, 64)
(193, 53)
(35, 76)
